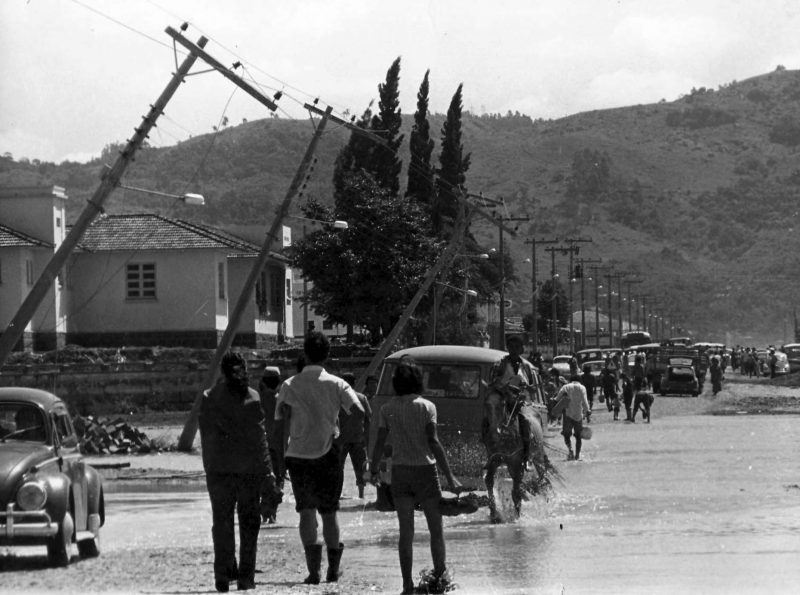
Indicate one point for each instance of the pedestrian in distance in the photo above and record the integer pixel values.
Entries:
(608, 380)
(627, 397)
(268, 394)
(370, 387)
(715, 371)
(590, 384)
(310, 402)
(615, 401)
(638, 374)
(572, 402)
(353, 436)
(409, 421)
(643, 401)
(552, 385)
(237, 465)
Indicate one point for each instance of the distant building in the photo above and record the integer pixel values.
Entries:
(137, 279)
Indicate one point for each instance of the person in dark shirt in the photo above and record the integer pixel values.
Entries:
(268, 392)
(589, 383)
(237, 464)
(353, 436)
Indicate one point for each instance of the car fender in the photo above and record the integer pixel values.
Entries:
(58, 489)
(94, 497)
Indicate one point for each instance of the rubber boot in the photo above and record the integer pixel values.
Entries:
(313, 563)
(334, 560)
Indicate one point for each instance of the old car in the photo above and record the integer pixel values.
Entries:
(456, 379)
(48, 494)
(792, 351)
(561, 363)
(679, 378)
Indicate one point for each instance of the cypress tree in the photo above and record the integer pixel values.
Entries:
(420, 172)
(385, 164)
(453, 166)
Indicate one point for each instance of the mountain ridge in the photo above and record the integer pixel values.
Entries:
(699, 198)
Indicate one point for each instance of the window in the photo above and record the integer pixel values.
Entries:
(221, 280)
(29, 271)
(66, 435)
(141, 281)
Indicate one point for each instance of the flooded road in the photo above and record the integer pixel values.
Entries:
(687, 504)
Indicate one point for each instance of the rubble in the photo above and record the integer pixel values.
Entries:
(115, 437)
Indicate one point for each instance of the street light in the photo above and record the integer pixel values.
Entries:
(337, 224)
(468, 292)
(190, 198)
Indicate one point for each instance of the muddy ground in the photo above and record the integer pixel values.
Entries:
(175, 564)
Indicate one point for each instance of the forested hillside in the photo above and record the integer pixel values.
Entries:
(699, 195)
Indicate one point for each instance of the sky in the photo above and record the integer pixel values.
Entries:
(80, 74)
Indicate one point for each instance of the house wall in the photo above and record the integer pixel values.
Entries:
(38, 211)
(186, 311)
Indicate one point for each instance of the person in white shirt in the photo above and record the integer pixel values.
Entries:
(310, 402)
(572, 402)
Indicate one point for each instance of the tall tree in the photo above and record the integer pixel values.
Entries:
(354, 157)
(386, 165)
(453, 166)
(420, 172)
(365, 275)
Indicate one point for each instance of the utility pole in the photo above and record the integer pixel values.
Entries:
(596, 275)
(618, 277)
(582, 263)
(535, 290)
(630, 282)
(503, 279)
(110, 179)
(573, 250)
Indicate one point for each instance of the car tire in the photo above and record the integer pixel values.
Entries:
(59, 548)
(89, 548)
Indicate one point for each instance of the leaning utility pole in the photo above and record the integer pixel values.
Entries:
(94, 206)
(535, 290)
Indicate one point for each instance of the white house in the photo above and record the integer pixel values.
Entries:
(144, 279)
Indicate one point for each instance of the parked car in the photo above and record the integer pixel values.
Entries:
(561, 363)
(48, 494)
(679, 379)
(782, 365)
(792, 351)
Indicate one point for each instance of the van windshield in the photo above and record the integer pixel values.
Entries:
(440, 380)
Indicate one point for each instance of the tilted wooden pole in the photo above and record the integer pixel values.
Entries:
(110, 179)
(444, 260)
(190, 427)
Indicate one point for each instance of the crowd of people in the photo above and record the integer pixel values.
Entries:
(307, 426)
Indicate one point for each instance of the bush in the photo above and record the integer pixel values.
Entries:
(786, 132)
(699, 117)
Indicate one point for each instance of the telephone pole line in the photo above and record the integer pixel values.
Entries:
(580, 274)
(535, 290)
(94, 206)
(503, 280)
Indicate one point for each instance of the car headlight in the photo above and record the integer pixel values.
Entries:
(32, 495)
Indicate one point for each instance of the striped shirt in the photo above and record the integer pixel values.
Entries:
(406, 417)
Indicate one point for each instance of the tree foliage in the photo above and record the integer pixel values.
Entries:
(365, 275)
(420, 172)
(385, 164)
(453, 166)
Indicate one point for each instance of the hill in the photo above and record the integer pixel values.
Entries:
(698, 195)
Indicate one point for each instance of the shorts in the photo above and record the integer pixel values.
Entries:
(418, 482)
(316, 483)
(570, 425)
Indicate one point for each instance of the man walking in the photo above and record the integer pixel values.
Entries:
(572, 401)
(237, 464)
(310, 401)
(353, 436)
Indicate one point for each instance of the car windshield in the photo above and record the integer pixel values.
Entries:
(440, 380)
(21, 421)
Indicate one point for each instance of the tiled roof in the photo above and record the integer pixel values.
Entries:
(154, 232)
(12, 238)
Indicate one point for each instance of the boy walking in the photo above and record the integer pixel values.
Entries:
(310, 401)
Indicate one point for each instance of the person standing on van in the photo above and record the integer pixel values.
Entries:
(410, 420)
(310, 402)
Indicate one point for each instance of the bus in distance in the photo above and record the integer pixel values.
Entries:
(633, 338)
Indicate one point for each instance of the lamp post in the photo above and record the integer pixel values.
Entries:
(468, 292)
(337, 224)
(189, 198)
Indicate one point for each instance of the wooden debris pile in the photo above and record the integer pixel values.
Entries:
(99, 436)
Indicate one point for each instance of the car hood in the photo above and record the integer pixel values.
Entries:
(15, 459)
